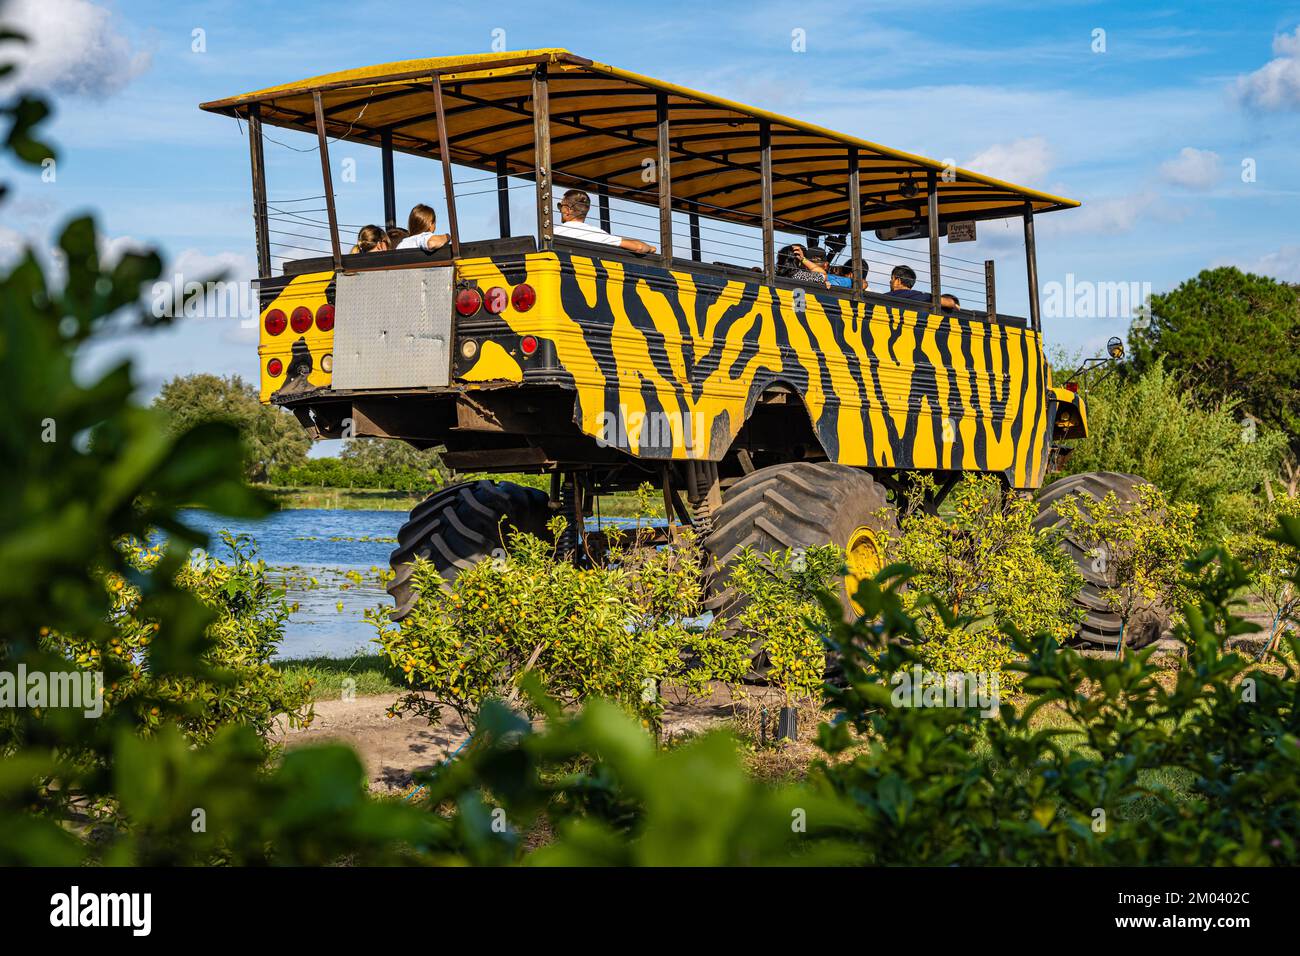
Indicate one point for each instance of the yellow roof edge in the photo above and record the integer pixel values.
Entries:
(485, 62)
(389, 73)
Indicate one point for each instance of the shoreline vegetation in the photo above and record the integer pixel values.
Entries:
(287, 497)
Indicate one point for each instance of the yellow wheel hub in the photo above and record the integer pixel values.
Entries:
(864, 560)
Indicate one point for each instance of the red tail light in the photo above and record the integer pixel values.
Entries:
(325, 317)
(495, 300)
(1072, 387)
(275, 322)
(523, 298)
(274, 368)
(468, 301)
(528, 345)
(300, 320)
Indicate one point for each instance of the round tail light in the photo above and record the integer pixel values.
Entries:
(528, 344)
(325, 317)
(300, 320)
(274, 368)
(495, 299)
(523, 297)
(468, 301)
(275, 322)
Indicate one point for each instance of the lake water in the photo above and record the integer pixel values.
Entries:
(313, 551)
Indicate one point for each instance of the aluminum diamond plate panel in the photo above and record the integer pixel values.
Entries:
(393, 329)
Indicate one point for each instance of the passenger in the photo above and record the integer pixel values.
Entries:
(395, 236)
(573, 224)
(794, 264)
(839, 277)
(948, 302)
(371, 239)
(419, 228)
(845, 272)
(901, 281)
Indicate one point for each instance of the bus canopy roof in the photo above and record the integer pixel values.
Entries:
(603, 127)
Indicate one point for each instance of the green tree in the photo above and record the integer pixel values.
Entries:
(272, 437)
(395, 463)
(1151, 425)
(1236, 336)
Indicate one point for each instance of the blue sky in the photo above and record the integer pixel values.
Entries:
(1150, 133)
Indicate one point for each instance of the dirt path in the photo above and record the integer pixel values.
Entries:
(394, 749)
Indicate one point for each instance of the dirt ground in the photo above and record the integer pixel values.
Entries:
(395, 748)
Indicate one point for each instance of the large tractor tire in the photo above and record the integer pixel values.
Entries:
(796, 505)
(458, 526)
(1101, 625)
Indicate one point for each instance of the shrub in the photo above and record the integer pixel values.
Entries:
(1140, 549)
(1151, 425)
(614, 630)
(986, 562)
(781, 612)
(1272, 567)
(248, 617)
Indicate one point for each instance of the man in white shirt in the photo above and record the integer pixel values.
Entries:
(573, 225)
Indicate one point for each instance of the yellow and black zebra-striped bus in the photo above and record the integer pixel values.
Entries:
(750, 312)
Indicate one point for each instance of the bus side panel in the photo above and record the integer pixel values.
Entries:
(670, 365)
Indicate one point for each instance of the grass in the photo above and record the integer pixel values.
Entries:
(621, 505)
(342, 499)
(372, 673)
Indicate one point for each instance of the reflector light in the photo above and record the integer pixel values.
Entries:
(325, 317)
(274, 368)
(300, 320)
(276, 322)
(496, 299)
(327, 363)
(1072, 387)
(468, 301)
(523, 297)
(528, 345)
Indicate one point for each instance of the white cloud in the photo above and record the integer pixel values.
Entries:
(1276, 85)
(74, 47)
(1193, 168)
(1022, 161)
(1111, 216)
(1283, 264)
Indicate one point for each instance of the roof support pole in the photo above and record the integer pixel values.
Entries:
(765, 174)
(542, 158)
(663, 175)
(855, 222)
(503, 199)
(696, 253)
(1031, 269)
(606, 222)
(329, 182)
(932, 218)
(258, 164)
(390, 184)
(446, 167)
(990, 292)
